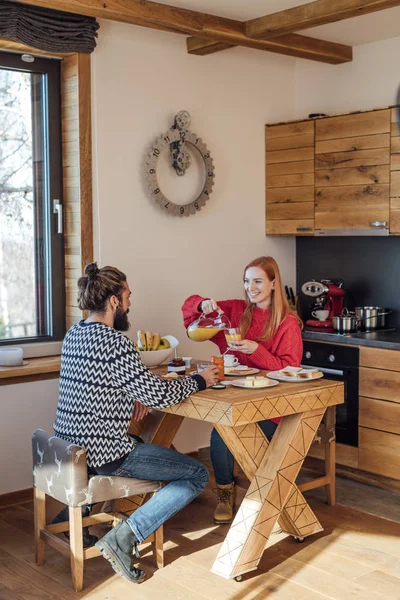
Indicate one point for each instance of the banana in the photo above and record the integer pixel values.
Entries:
(141, 340)
(156, 341)
(149, 339)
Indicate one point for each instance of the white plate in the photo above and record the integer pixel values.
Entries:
(242, 383)
(246, 371)
(281, 377)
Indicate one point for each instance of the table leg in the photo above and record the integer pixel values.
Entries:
(248, 444)
(269, 492)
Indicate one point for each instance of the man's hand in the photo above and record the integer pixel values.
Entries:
(139, 411)
(210, 375)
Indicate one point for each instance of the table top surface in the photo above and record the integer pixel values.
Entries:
(237, 395)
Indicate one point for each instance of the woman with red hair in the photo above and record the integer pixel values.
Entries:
(271, 339)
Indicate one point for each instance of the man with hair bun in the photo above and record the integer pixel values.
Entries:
(103, 383)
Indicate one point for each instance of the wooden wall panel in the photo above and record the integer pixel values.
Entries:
(77, 174)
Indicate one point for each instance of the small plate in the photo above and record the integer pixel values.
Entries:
(242, 371)
(242, 383)
(281, 377)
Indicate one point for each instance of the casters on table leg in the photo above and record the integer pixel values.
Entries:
(238, 578)
(299, 540)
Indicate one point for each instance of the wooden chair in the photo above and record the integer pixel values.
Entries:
(60, 471)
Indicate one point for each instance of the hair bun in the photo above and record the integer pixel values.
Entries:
(91, 270)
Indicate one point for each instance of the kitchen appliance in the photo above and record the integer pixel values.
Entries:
(328, 295)
(371, 317)
(341, 364)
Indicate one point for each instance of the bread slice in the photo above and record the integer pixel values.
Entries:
(291, 371)
(308, 373)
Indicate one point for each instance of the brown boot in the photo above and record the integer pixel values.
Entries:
(226, 502)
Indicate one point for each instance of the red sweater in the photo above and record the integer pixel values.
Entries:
(284, 349)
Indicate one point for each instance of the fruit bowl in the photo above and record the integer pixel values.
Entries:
(153, 358)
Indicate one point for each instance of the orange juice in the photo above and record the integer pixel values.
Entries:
(233, 337)
(201, 334)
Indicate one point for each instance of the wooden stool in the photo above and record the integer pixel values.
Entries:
(60, 471)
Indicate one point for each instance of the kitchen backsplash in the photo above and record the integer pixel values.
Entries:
(369, 266)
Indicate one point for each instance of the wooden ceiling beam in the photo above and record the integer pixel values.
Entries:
(311, 15)
(298, 46)
(222, 33)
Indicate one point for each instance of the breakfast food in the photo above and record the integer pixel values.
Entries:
(291, 371)
(147, 340)
(308, 373)
(257, 381)
(300, 372)
(170, 375)
(236, 371)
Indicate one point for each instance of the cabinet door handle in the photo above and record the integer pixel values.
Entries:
(303, 228)
(377, 223)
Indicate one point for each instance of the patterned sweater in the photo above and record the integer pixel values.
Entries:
(284, 349)
(101, 377)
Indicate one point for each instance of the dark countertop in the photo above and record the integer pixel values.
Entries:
(389, 338)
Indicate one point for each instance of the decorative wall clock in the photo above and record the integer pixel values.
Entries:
(177, 140)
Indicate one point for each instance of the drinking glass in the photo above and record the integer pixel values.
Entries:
(232, 334)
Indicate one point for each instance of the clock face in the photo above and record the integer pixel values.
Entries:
(163, 142)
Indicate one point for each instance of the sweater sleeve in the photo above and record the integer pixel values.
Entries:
(190, 309)
(288, 350)
(138, 382)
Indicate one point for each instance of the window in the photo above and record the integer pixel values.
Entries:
(32, 293)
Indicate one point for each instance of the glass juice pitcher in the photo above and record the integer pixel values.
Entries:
(206, 327)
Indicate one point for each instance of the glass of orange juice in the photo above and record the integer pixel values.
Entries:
(232, 334)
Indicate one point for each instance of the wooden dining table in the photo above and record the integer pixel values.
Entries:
(271, 468)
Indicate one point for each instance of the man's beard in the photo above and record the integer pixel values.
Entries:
(121, 322)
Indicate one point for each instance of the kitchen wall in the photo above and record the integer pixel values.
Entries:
(368, 266)
(141, 79)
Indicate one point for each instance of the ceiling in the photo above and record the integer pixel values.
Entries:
(353, 32)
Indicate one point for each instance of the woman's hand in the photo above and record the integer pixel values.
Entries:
(209, 306)
(139, 411)
(245, 346)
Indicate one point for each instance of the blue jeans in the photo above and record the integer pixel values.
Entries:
(187, 476)
(221, 457)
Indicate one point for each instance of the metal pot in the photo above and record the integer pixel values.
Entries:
(371, 317)
(346, 323)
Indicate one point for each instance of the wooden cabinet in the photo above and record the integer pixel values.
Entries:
(379, 412)
(334, 173)
(290, 178)
(345, 146)
(395, 175)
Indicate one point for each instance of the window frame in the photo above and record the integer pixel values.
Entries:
(45, 220)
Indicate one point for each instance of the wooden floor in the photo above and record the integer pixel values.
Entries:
(357, 557)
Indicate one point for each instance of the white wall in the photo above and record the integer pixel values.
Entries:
(369, 81)
(141, 79)
(24, 408)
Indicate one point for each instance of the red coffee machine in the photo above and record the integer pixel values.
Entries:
(328, 296)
